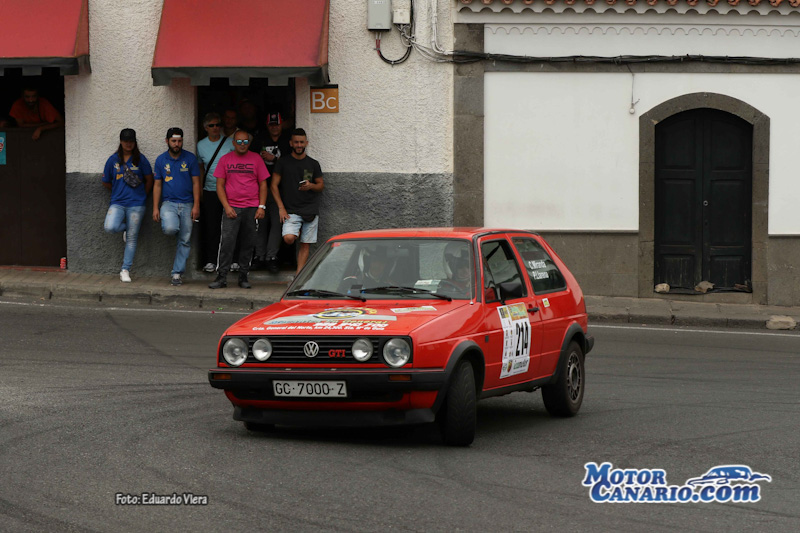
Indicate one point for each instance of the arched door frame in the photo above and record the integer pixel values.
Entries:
(647, 135)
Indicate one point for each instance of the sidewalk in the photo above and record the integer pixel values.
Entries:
(108, 290)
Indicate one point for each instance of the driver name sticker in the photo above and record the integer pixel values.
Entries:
(516, 339)
(400, 310)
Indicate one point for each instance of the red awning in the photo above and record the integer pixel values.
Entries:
(44, 33)
(275, 39)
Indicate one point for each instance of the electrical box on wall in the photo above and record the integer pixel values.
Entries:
(402, 16)
(379, 15)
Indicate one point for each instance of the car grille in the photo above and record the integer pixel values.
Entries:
(332, 349)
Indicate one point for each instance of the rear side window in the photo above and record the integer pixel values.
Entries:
(544, 274)
(500, 270)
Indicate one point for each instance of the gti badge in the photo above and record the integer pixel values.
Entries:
(311, 349)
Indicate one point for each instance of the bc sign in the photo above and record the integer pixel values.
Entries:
(325, 100)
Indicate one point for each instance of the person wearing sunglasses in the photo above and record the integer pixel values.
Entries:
(209, 151)
(242, 191)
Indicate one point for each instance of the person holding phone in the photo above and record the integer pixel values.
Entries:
(296, 186)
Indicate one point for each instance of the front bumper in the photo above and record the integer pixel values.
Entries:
(392, 417)
(362, 385)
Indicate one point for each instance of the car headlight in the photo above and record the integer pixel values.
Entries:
(362, 350)
(396, 352)
(234, 351)
(262, 349)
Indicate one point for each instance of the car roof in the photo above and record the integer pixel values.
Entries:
(452, 233)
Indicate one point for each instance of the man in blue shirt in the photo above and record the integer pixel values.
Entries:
(177, 178)
(210, 150)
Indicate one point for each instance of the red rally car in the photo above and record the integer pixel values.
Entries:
(410, 326)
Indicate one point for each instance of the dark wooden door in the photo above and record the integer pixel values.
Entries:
(703, 199)
(33, 219)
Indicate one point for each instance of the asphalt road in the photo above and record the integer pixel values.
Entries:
(95, 402)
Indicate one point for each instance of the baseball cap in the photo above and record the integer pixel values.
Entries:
(127, 135)
(274, 118)
(172, 132)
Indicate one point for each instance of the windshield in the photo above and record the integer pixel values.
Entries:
(389, 269)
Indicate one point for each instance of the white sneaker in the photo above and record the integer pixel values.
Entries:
(234, 267)
(125, 276)
(210, 267)
(125, 236)
(176, 280)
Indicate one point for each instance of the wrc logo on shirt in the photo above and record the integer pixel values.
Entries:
(240, 168)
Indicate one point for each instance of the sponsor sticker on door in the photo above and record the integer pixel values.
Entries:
(516, 339)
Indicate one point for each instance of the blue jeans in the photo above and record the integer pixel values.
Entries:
(120, 218)
(176, 219)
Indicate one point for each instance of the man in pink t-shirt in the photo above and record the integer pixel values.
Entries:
(242, 191)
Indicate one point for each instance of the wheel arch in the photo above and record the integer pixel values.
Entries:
(464, 351)
(574, 333)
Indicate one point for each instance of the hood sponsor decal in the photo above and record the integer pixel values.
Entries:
(344, 318)
(401, 310)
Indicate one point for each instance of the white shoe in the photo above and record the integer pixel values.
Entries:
(125, 236)
(210, 267)
(234, 267)
(125, 276)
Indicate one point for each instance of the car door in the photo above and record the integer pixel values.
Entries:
(551, 297)
(514, 328)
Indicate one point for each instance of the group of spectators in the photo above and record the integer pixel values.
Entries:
(248, 192)
(248, 189)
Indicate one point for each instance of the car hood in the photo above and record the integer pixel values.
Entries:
(391, 317)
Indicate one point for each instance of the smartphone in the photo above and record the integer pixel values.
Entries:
(303, 182)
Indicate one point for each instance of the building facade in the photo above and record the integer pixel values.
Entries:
(386, 154)
(648, 140)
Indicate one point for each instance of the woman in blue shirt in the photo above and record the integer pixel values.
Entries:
(129, 177)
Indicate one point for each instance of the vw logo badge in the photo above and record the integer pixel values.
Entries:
(311, 349)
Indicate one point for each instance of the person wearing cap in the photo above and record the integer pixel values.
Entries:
(129, 177)
(270, 146)
(242, 191)
(177, 180)
(209, 151)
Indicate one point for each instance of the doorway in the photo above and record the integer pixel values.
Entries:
(703, 200)
(252, 103)
(33, 214)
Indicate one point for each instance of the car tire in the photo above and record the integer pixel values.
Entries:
(458, 415)
(564, 396)
(258, 428)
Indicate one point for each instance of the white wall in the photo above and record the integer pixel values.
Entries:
(395, 119)
(562, 150)
(119, 92)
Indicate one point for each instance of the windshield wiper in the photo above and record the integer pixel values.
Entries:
(322, 293)
(406, 290)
